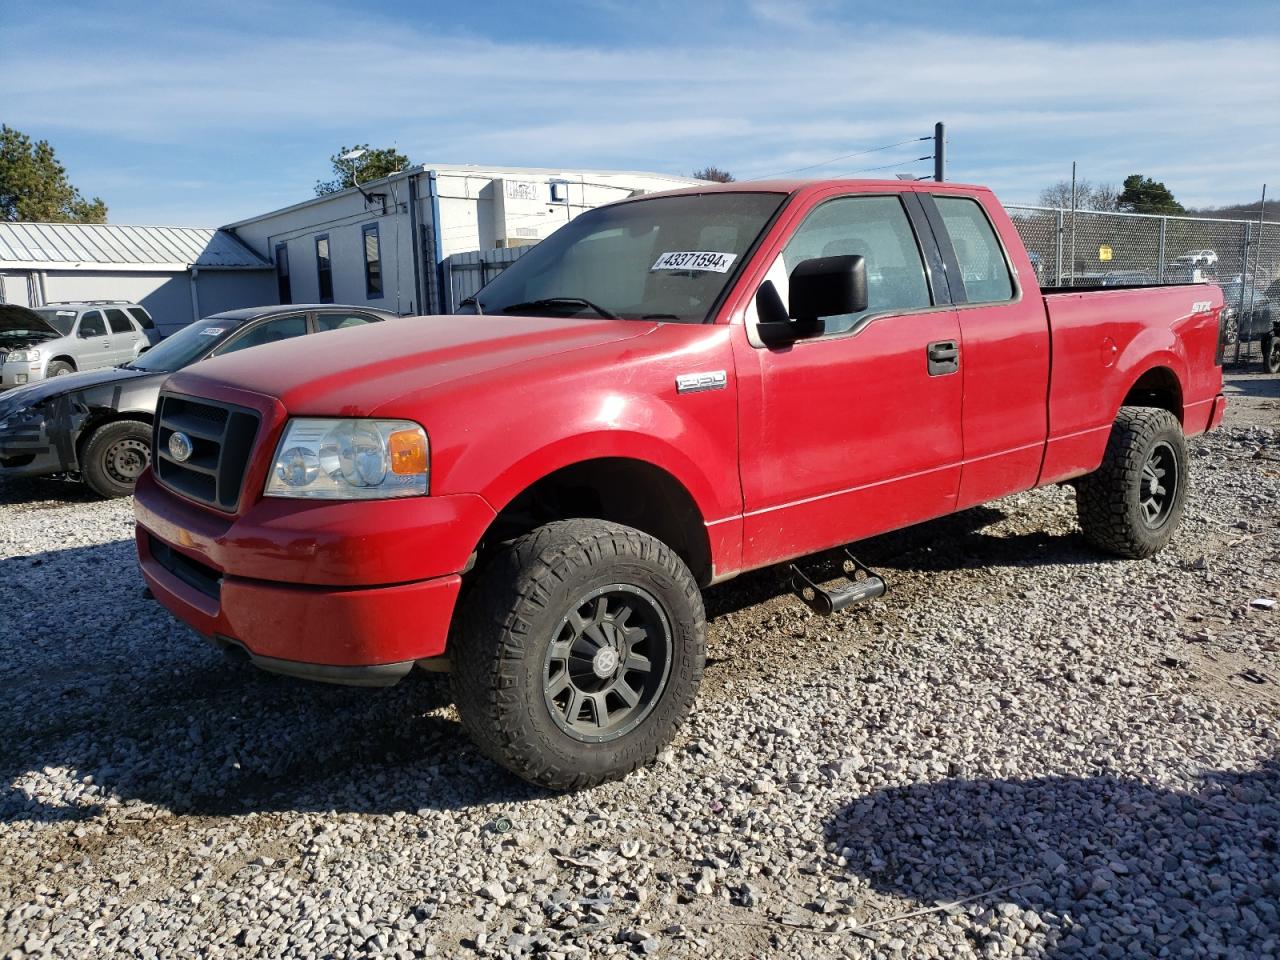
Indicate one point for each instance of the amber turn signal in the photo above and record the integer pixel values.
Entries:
(408, 452)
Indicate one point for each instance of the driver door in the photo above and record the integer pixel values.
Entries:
(856, 431)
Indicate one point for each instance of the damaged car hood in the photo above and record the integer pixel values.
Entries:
(42, 390)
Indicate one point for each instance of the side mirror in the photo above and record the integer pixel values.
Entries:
(821, 287)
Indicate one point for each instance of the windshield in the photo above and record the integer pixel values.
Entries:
(668, 258)
(60, 320)
(186, 346)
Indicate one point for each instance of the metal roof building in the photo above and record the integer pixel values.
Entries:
(178, 273)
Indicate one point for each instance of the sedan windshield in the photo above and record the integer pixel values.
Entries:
(186, 346)
(665, 258)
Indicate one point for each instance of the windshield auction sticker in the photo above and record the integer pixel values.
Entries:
(213, 331)
(695, 260)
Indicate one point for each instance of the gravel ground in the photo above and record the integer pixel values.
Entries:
(1022, 750)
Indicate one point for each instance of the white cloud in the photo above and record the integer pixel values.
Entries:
(1016, 108)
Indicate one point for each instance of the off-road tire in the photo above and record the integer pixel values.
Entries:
(125, 438)
(1108, 501)
(508, 620)
(1271, 354)
(58, 368)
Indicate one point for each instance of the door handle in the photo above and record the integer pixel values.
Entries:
(943, 357)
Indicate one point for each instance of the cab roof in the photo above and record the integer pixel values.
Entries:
(797, 185)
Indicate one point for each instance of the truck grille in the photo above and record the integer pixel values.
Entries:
(221, 438)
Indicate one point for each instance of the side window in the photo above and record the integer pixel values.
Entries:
(324, 269)
(372, 261)
(282, 273)
(337, 321)
(875, 228)
(982, 263)
(119, 321)
(143, 318)
(92, 324)
(268, 331)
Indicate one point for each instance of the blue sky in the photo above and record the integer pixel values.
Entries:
(203, 113)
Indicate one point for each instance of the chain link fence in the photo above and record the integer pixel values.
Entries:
(1093, 248)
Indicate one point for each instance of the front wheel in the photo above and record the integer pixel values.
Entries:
(1133, 502)
(579, 653)
(58, 368)
(115, 456)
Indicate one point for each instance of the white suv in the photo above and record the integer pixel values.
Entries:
(67, 337)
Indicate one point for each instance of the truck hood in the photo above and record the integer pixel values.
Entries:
(351, 372)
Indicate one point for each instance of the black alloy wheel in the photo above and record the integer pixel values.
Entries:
(608, 664)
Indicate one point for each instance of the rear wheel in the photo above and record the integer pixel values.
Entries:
(1271, 354)
(115, 456)
(579, 653)
(58, 368)
(1132, 504)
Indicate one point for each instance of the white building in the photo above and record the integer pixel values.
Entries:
(408, 243)
(179, 274)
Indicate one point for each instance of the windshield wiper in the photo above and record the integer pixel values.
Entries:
(558, 302)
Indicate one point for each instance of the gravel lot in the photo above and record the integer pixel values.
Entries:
(1022, 750)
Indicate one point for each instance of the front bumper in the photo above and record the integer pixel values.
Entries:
(27, 450)
(345, 592)
(19, 374)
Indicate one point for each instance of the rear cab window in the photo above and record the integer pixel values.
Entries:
(983, 266)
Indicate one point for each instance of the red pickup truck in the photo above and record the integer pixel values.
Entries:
(665, 393)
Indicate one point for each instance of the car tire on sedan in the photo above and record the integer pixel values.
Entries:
(114, 457)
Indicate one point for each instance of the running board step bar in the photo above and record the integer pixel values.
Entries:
(864, 584)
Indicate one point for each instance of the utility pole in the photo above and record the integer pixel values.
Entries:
(939, 152)
(1073, 223)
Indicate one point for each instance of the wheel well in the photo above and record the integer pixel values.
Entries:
(1158, 387)
(95, 423)
(630, 492)
(70, 360)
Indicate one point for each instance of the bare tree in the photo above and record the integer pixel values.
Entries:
(714, 174)
(1102, 196)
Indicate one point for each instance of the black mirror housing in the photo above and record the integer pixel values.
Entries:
(828, 287)
(820, 287)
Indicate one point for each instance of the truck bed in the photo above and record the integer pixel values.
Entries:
(1110, 343)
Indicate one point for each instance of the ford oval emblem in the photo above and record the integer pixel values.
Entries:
(180, 447)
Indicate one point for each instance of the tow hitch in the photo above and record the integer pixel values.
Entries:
(864, 584)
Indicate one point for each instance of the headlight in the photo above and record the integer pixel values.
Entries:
(350, 460)
(22, 356)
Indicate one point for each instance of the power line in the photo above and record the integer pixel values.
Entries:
(847, 156)
(896, 163)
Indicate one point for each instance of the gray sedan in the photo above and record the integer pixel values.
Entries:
(96, 425)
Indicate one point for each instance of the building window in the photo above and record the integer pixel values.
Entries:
(372, 262)
(282, 273)
(324, 271)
